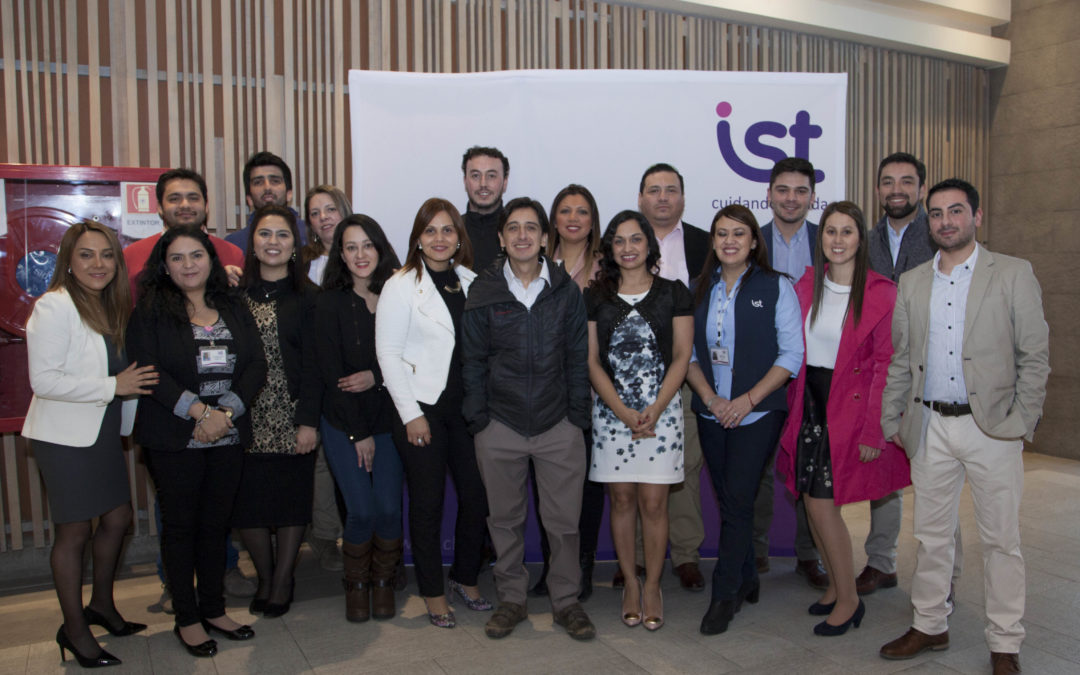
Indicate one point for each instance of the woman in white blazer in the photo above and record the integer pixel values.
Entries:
(417, 342)
(78, 372)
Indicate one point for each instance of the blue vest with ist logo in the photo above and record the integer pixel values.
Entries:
(756, 345)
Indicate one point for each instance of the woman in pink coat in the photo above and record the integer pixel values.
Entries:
(832, 450)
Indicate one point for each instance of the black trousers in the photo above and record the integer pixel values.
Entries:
(196, 489)
(425, 474)
(736, 457)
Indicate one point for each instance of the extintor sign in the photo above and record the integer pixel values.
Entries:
(139, 217)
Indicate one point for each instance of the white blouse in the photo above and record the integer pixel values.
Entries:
(823, 338)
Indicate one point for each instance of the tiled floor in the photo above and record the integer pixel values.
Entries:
(774, 636)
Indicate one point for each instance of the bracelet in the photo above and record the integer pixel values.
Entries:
(711, 400)
(204, 416)
(750, 399)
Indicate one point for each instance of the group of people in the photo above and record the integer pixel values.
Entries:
(519, 343)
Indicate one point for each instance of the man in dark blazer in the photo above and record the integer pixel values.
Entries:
(901, 239)
(791, 240)
(899, 242)
(683, 249)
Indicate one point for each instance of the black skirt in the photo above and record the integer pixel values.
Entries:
(813, 463)
(275, 490)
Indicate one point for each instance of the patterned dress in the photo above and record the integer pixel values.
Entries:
(638, 367)
(277, 485)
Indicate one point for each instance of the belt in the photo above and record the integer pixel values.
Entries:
(948, 409)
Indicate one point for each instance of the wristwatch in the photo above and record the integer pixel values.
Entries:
(228, 412)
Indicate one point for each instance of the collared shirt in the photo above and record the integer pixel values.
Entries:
(944, 349)
(789, 337)
(895, 238)
(791, 258)
(526, 295)
(673, 256)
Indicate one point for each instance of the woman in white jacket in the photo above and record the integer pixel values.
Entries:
(417, 342)
(78, 372)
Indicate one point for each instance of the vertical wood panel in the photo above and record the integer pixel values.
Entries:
(282, 79)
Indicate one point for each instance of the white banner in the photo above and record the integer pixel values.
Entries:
(723, 131)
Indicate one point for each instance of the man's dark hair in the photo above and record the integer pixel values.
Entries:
(904, 158)
(793, 165)
(657, 168)
(265, 158)
(179, 174)
(480, 151)
(957, 184)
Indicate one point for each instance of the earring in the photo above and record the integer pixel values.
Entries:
(459, 246)
(293, 258)
(69, 270)
(419, 247)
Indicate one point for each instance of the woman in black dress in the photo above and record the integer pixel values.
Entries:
(78, 372)
(279, 465)
(206, 347)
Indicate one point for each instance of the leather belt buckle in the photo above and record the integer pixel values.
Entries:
(949, 409)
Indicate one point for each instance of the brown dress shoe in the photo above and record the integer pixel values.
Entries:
(871, 579)
(690, 577)
(814, 572)
(762, 564)
(913, 643)
(619, 580)
(1005, 663)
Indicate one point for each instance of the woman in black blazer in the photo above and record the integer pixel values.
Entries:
(277, 483)
(206, 347)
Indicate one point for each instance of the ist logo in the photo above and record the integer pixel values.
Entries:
(801, 132)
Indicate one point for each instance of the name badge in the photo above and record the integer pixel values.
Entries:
(213, 357)
(720, 356)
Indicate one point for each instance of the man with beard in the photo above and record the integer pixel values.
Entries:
(901, 239)
(966, 386)
(267, 180)
(486, 171)
(791, 240)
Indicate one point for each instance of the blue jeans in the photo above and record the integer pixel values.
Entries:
(736, 457)
(372, 500)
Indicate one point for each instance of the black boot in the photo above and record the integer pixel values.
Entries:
(718, 617)
(588, 560)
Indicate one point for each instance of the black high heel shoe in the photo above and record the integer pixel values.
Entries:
(202, 650)
(748, 592)
(126, 627)
(102, 659)
(241, 633)
(828, 630)
(274, 610)
(821, 609)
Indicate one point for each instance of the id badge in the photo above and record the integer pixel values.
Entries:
(720, 356)
(213, 357)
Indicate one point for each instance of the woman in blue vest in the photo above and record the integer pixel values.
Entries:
(747, 345)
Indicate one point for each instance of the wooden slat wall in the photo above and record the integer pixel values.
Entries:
(205, 84)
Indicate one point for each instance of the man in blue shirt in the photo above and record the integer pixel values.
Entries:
(791, 240)
(267, 180)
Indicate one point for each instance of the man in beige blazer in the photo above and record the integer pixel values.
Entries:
(966, 384)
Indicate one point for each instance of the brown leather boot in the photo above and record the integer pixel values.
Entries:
(357, 581)
(383, 570)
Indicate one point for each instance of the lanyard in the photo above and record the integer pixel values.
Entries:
(721, 311)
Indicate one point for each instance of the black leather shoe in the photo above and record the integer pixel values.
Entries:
(821, 609)
(258, 606)
(718, 617)
(750, 591)
(203, 650)
(125, 628)
(102, 659)
(241, 633)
